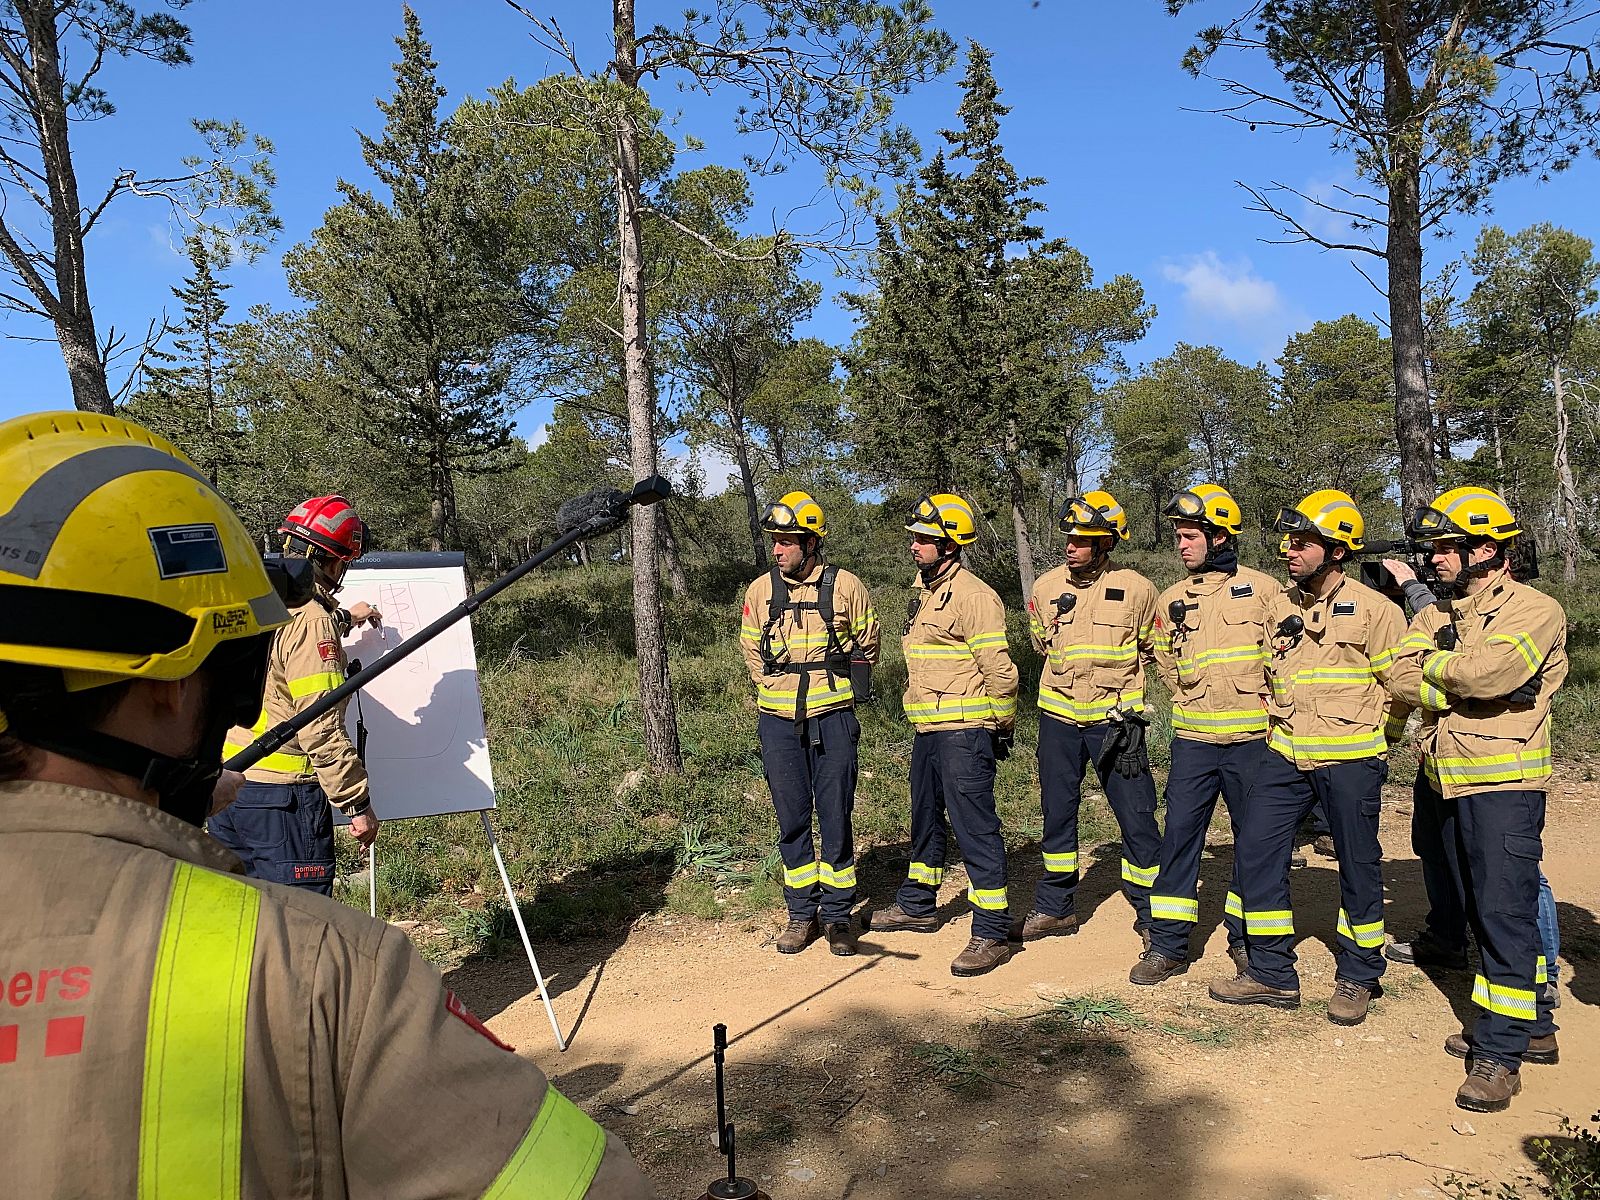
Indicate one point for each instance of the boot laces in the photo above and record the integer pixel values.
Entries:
(1349, 990)
(1484, 1068)
(976, 944)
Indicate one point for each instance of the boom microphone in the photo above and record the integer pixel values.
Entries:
(604, 502)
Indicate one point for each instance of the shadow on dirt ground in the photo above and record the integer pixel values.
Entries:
(1040, 1105)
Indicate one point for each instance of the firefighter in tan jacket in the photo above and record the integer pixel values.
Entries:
(1093, 621)
(281, 823)
(961, 699)
(1331, 722)
(1211, 641)
(809, 636)
(1483, 664)
(176, 1029)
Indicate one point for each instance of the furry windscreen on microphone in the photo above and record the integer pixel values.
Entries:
(597, 502)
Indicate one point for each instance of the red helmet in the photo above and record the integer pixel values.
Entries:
(329, 523)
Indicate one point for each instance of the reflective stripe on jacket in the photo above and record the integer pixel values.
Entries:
(1473, 739)
(959, 673)
(803, 638)
(189, 1032)
(308, 660)
(1214, 662)
(1095, 634)
(1328, 702)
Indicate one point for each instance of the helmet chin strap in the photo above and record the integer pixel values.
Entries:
(1097, 563)
(183, 786)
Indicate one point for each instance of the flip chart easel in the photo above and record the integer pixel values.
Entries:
(426, 750)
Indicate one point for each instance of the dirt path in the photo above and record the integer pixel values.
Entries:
(883, 1076)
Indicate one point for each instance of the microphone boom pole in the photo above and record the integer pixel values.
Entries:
(611, 511)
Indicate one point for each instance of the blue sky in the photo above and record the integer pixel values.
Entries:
(1100, 108)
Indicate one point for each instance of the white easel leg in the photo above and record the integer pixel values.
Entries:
(372, 879)
(516, 915)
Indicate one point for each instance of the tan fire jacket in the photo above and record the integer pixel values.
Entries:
(802, 638)
(959, 673)
(172, 1029)
(1328, 700)
(1472, 739)
(307, 660)
(1214, 660)
(1094, 634)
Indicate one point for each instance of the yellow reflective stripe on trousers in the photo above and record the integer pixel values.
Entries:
(1061, 864)
(1541, 970)
(558, 1156)
(1507, 1002)
(1140, 876)
(287, 764)
(191, 1116)
(993, 899)
(1175, 908)
(799, 877)
(837, 877)
(1367, 936)
(923, 873)
(1271, 923)
(1234, 906)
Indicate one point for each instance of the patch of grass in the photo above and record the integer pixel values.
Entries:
(1568, 1166)
(1092, 1011)
(693, 896)
(963, 1071)
(1213, 1034)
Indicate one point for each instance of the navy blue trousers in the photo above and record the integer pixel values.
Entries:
(1480, 864)
(1282, 796)
(1065, 752)
(282, 832)
(1200, 773)
(952, 776)
(812, 770)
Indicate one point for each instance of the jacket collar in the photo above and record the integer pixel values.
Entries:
(28, 806)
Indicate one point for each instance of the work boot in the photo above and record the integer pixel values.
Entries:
(841, 938)
(1155, 967)
(1243, 989)
(1042, 925)
(1541, 1051)
(1424, 951)
(1348, 1004)
(1488, 1087)
(797, 936)
(895, 919)
(981, 956)
(1240, 957)
(1324, 846)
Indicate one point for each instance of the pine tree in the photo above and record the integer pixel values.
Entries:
(184, 392)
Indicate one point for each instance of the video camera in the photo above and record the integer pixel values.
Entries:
(1378, 577)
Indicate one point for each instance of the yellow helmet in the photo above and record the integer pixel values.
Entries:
(1206, 504)
(1283, 545)
(945, 515)
(118, 559)
(1464, 512)
(796, 512)
(1329, 513)
(1094, 514)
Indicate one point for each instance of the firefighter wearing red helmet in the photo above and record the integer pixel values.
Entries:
(281, 824)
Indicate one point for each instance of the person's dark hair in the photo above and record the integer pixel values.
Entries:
(35, 696)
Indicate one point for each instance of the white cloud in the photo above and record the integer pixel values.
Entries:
(539, 436)
(1229, 291)
(720, 471)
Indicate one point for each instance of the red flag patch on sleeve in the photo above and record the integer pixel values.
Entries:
(329, 651)
(453, 1005)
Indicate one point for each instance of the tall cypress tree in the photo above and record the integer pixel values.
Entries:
(417, 293)
(979, 352)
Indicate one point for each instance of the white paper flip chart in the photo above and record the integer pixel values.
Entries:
(427, 753)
